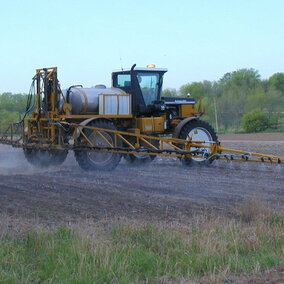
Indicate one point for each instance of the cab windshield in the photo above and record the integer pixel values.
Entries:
(149, 85)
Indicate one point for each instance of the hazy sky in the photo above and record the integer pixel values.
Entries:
(195, 39)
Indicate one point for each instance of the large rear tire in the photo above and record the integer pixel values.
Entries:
(92, 161)
(198, 130)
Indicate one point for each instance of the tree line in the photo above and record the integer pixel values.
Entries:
(239, 101)
(239, 98)
(12, 107)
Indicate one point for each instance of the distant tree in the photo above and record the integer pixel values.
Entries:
(257, 100)
(208, 88)
(246, 78)
(13, 102)
(169, 93)
(232, 91)
(8, 116)
(255, 121)
(195, 89)
(277, 81)
(12, 106)
(227, 78)
(265, 85)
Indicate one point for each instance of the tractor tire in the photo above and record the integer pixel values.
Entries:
(198, 130)
(45, 158)
(59, 157)
(141, 159)
(92, 161)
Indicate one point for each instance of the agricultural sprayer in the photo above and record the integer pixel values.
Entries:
(129, 120)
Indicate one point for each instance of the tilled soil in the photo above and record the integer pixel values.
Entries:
(164, 189)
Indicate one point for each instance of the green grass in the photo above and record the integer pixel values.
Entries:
(134, 252)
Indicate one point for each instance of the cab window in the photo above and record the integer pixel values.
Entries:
(149, 85)
(123, 80)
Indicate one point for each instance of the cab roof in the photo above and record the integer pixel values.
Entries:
(143, 69)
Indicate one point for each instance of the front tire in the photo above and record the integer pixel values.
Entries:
(198, 130)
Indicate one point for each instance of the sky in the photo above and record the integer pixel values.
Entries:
(195, 39)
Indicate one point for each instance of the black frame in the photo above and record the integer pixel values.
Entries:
(138, 103)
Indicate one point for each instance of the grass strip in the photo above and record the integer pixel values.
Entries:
(133, 252)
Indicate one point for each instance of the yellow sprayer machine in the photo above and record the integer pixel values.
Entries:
(102, 124)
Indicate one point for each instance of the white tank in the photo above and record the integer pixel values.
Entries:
(86, 100)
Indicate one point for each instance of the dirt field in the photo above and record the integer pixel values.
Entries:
(162, 190)
(253, 137)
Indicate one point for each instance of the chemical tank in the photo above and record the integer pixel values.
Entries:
(86, 100)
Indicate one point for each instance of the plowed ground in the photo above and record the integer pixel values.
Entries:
(164, 190)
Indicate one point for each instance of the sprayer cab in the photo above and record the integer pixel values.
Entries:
(144, 85)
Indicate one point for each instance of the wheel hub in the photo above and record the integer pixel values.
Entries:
(200, 134)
